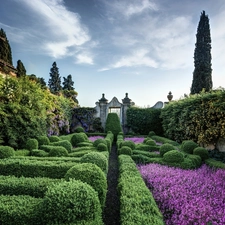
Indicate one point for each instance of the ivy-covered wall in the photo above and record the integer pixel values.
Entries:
(198, 117)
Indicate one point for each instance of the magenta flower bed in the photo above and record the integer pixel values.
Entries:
(93, 138)
(187, 197)
(136, 140)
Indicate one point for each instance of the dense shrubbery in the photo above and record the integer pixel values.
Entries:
(43, 140)
(189, 146)
(64, 143)
(173, 156)
(31, 143)
(202, 152)
(6, 152)
(54, 138)
(165, 148)
(78, 137)
(58, 151)
(141, 121)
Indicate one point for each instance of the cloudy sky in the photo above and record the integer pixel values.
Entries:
(141, 47)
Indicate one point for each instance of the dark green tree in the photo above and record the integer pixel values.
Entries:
(202, 75)
(5, 49)
(68, 83)
(39, 80)
(54, 82)
(21, 71)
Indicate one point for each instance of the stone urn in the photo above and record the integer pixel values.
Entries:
(170, 96)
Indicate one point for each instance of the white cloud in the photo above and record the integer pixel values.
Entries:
(60, 29)
(84, 58)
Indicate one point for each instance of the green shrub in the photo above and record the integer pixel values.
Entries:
(31, 143)
(98, 141)
(58, 151)
(125, 150)
(150, 142)
(38, 153)
(173, 156)
(66, 144)
(113, 124)
(109, 143)
(129, 144)
(22, 152)
(165, 148)
(46, 148)
(196, 159)
(110, 135)
(72, 202)
(79, 130)
(43, 140)
(91, 174)
(189, 146)
(54, 138)
(164, 140)
(102, 147)
(77, 138)
(6, 152)
(214, 163)
(142, 147)
(146, 139)
(19, 210)
(151, 133)
(96, 158)
(202, 152)
(83, 144)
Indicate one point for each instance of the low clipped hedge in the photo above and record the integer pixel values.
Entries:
(173, 156)
(58, 151)
(165, 148)
(164, 140)
(128, 143)
(72, 202)
(6, 152)
(78, 138)
(98, 141)
(54, 138)
(35, 187)
(96, 158)
(20, 210)
(145, 147)
(38, 153)
(102, 147)
(91, 174)
(214, 163)
(125, 150)
(64, 143)
(137, 205)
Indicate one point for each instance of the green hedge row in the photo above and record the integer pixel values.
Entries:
(137, 205)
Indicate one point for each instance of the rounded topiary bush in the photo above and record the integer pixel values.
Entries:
(189, 146)
(165, 148)
(92, 175)
(72, 202)
(151, 133)
(98, 141)
(31, 143)
(128, 144)
(79, 130)
(146, 139)
(58, 151)
(102, 147)
(125, 150)
(96, 158)
(6, 152)
(54, 138)
(202, 152)
(173, 156)
(78, 138)
(46, 148)
(43, 140)
(109, 143)
(150, 142)
(65, 143)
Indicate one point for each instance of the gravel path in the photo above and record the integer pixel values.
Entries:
(111, 215)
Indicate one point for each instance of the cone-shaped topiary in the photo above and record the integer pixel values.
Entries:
(113, 124)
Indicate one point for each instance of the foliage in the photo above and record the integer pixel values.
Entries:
(128, 143)
(6, 152)
(54, 82)
(189, 146)
(141, 121)
(137, 205)
(187, 196)
(79, 130)
(96, 158)
(199, 118)
(21, 71)
(91, 174)
(102, 147)
(38, 153)
(214, 163)
(173, 156)
(125, 150)
(72, 202)
(217, 155)
(78, 138)
(150, 142)
(54, 138)
(58, 151)
(68, 83)
(165, 148)
(97, 125)
(43, 140)
(202, 75)
(113, 124)
(202, 152)
(64, 143)
(31, 143)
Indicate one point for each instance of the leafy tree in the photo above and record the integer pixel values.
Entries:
(5, 49)
(39, 80)
(21, 71)
(68, 83)
(202, 75)
(54, 82)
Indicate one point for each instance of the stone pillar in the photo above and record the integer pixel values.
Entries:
(103, 109)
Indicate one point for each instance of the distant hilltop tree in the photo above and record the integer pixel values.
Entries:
(202, 75)
(21, 71)
(5, 49)
(68, 83)
(54, 82)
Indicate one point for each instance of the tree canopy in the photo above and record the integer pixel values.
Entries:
(21, 71)
(202, 75)
(54, 82)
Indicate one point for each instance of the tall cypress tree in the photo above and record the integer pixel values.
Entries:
(54, 82)
(68, 83)
(5, 49)
(21, 71)
(202, 75)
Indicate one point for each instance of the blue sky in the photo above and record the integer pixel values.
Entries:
(141, 47)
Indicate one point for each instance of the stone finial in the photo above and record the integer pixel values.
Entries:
(127, 100)
(103, 99)
(170, 96)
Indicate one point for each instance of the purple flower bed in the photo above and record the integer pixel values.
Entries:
(136, 140)
(187, 197)
(93, 138)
